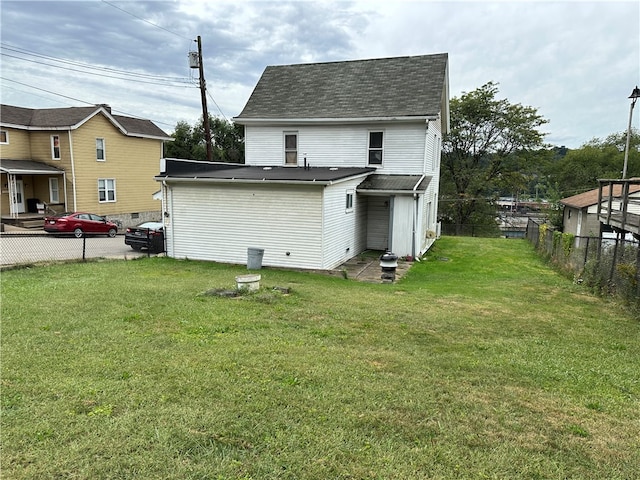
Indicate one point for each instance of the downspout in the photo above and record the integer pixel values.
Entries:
(424, 159)
(167, 214)
(73, 174)
(392, 199)
(415, 215)
(64, 185)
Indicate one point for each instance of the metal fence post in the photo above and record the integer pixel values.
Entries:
(84, 247)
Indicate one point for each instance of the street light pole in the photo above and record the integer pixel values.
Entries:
(634, 96)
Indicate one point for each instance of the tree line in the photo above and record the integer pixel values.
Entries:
(495, 148)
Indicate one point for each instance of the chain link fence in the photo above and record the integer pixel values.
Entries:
(611, 266)
(23, 248)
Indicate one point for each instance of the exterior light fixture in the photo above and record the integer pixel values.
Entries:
(634, 97)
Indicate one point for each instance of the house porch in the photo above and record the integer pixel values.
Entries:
(619, 205)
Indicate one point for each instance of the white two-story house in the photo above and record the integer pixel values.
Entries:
(341, 157)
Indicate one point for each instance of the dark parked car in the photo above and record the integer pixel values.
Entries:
(149, 235)
(80, 223)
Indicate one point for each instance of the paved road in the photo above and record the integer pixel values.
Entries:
(19, 248)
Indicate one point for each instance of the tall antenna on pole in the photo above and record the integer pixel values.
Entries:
(197, 63)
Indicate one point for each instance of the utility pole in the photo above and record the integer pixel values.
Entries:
(203, 95)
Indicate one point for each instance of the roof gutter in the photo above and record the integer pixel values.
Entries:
(167, 178)
(373, 193)
(31, 172)
(242, 180)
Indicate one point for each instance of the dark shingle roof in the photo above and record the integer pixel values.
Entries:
(44, 118)
(388, 87)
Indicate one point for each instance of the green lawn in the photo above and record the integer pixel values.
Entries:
(481, 363)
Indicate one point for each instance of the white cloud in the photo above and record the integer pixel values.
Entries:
(575, 61)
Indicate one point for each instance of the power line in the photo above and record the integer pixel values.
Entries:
(183, 82)
(32, 94)
(137, 80)
(20, 50)
(47, 91)
(147, 21)
(217, 106)
(78, 100)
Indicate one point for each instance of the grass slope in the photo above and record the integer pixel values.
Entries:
(480, 363)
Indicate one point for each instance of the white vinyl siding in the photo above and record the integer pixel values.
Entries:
(343, 230)
(342, 146)
(204, 223)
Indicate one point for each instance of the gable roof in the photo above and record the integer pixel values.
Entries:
(586, 199)
(71, 118)
(385, 88)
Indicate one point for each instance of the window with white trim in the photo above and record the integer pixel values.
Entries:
(106, 190)
(290, 148)
(349, 201)
(54, 190)
(4, 137)
(55, 147)
(376, 140)
(100, 156)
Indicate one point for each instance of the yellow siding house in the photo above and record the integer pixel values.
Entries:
(78, 159)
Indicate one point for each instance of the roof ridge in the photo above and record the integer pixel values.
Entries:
(372, 59)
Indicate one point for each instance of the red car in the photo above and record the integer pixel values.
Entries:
(79, 223)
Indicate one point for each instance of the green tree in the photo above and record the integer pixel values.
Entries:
(581, 168)
(189, 141)
(488, 137)
(183, 143)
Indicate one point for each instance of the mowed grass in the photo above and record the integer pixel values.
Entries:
(481, 363)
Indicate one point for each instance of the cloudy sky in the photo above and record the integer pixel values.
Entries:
(576, 62)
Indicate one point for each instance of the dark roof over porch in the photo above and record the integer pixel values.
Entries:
(402, 184)
(28, 167)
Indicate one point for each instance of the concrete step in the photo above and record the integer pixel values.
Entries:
(30, 223)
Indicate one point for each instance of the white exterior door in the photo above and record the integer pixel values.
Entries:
(378, 218)
(18, 197)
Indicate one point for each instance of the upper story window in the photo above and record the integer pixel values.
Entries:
(100, 150)
(107, 189)
(4, 136)
(291, 148)
(375, 148)
(55, 147)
